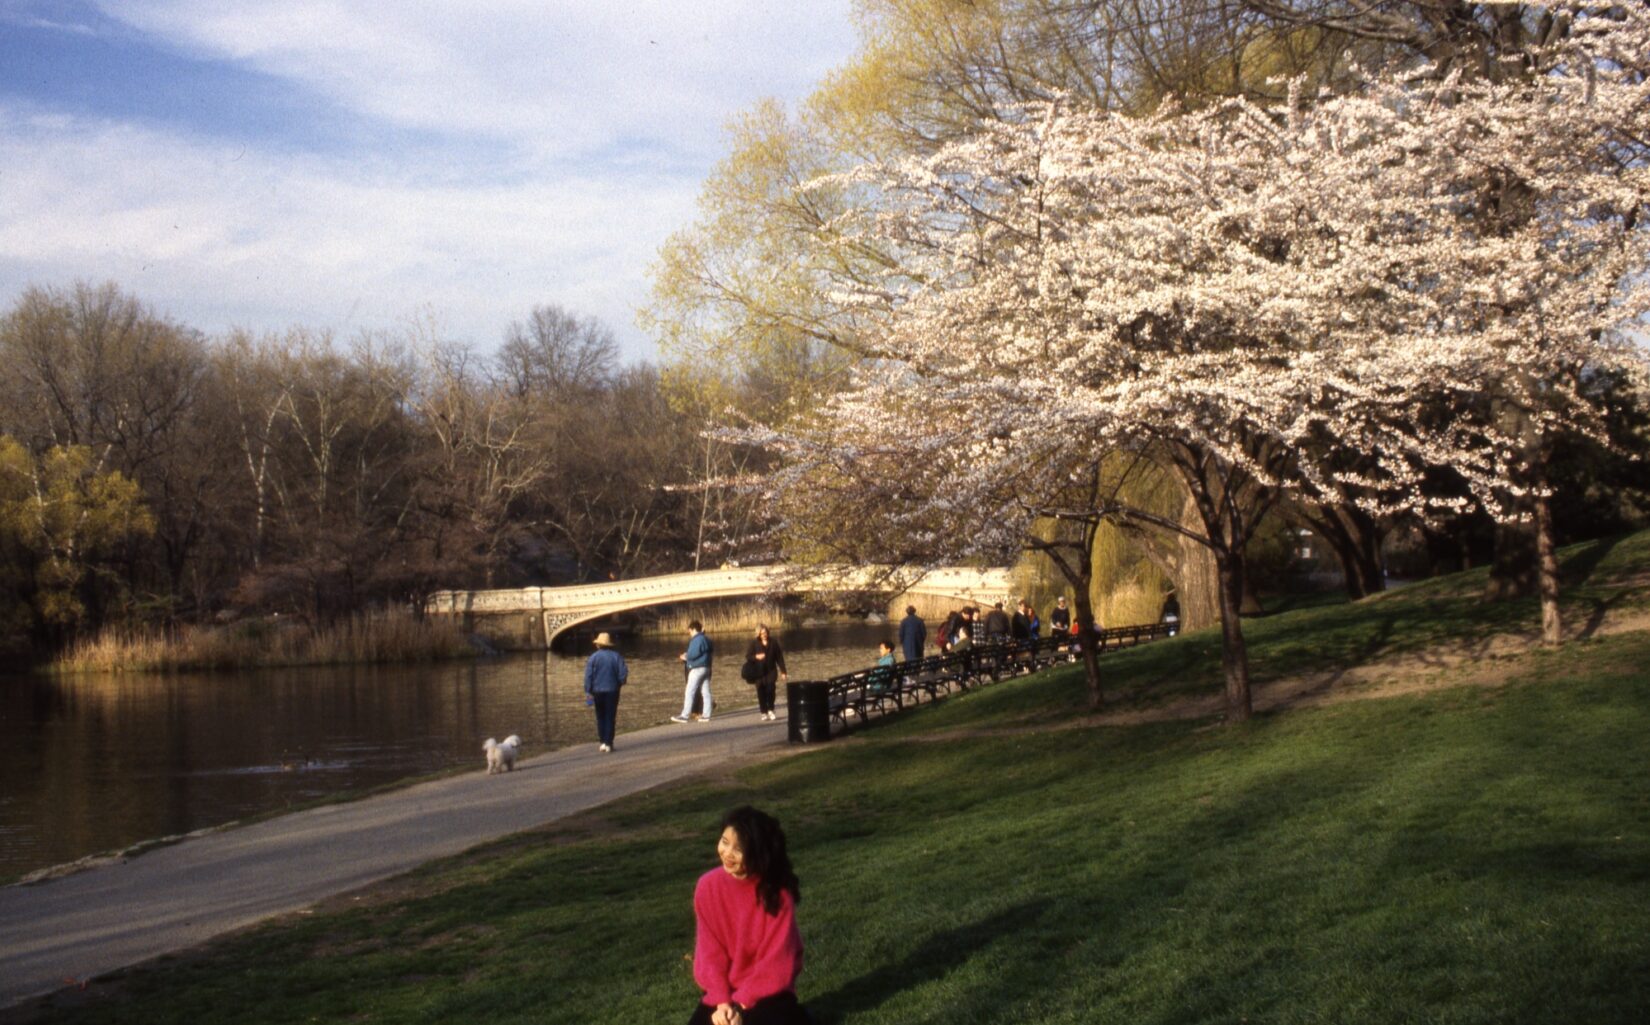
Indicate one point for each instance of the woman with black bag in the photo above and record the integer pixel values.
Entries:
(765, 667)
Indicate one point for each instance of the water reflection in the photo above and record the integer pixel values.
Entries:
(92, 763)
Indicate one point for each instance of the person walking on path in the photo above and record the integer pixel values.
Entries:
(604, 675)
(747, 950)
(769, 658)
(912, 634)
(697, 657)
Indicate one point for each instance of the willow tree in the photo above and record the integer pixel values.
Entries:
(60, 515)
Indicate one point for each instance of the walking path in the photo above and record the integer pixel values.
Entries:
(74, 928)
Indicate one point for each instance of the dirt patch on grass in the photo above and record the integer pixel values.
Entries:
(1487, 662)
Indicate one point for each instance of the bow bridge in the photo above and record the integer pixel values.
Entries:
(541, 613)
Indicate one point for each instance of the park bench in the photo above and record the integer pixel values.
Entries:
(882, 690)
(934, 675)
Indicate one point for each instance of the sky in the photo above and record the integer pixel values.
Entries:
(364, 166)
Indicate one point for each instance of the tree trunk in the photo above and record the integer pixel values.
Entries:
(1355, 538)
(1088, 641)
(1552, 628)
(1234, 656)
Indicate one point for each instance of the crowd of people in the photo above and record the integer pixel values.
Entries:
(764, 665)
(996, 625)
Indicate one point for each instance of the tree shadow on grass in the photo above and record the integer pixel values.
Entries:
(938, 956)
(1579, 567)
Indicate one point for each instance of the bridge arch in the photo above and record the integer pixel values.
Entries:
(558, 609)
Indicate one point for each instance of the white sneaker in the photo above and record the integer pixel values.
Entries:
(704, 718)
(679, 718)
(604, 749)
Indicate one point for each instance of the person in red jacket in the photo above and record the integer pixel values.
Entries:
(747, 951)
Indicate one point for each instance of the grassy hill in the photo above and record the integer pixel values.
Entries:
(1468, 842)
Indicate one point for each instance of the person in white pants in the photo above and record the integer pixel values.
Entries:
(698, 658)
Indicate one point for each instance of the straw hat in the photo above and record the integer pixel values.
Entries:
(603, 640)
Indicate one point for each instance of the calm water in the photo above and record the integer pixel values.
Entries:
(95, 763)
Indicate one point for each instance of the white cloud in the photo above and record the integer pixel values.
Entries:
(551, 76)
(581, 133)
(222, 236)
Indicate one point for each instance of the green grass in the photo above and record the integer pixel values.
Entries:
(1474, 855)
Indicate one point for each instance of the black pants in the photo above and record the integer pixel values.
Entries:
(764, 694)
(607, 716)
(780, 1009)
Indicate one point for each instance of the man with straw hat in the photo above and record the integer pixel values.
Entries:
(604, 674)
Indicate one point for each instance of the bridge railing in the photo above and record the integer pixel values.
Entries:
(819, 708)
(557, 609)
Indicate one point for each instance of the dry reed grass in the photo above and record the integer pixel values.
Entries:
(365, 637)
(721, 617)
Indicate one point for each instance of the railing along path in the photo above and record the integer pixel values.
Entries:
(819, 706)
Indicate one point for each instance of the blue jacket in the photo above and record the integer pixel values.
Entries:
(911, 635)
(698, 653)
(605, 673)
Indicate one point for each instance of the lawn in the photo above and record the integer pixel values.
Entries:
(1478, 854)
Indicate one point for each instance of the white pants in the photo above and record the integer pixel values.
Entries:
(697, 678)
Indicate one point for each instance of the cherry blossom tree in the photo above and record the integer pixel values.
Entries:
(1312, 301)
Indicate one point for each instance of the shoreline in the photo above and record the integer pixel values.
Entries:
(121, 855)
(192, 890)
(136, 849)
(370, 638)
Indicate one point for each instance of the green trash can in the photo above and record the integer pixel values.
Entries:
(808, 708)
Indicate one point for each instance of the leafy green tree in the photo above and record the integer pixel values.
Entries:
(59, 516)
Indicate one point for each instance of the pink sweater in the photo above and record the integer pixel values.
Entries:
(742, 953)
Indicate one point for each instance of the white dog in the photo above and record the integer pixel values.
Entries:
(501, 757)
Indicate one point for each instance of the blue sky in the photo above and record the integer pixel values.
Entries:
(368, 166)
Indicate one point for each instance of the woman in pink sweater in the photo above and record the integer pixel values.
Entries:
(748, 953)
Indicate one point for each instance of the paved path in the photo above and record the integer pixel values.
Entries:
(109, 917)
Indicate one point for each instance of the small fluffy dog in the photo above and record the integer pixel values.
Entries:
(501, 757)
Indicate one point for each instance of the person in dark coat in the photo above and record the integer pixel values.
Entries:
(912, 634)
(1020, 624)
(996, 624)
(769, 657)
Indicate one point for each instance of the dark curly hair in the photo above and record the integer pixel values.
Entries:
(763, 844)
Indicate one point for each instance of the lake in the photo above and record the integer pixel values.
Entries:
(95, 763)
